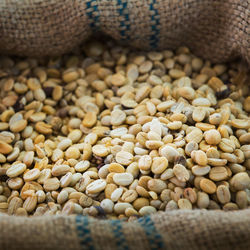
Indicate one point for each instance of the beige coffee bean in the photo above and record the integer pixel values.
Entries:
(16, 169)
(181, 173)
(43, 128)
(240, 123)
(226, 145)
(159, 165)
(156, 185)
(200, 170)
(120, 207)
(147, 210)
(212, 137)
(117, 117)
(223, 194)
(100, 150)
(218, 174)
(169, 152)
(18, 126)
(116, 194)
(208, 186)
(195, 135)
(184, 204)
(31, 175)
(82, 166)
(145, 162)
(5, 148)
(59, 170)
(129, 196)
(123, 179)
(72, 153)
(51, 184)
(89, 119)
(240, 181)
(116, 168)
(96, 186)
(199, 157)
(241, 199)
(202, 200)
(124, 158)
(118, 79)
(190, 194)
(14, 204)
(62, 197)
(30, 203)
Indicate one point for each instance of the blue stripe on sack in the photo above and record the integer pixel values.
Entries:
(154, 238)
(116, 227)
(155, 19)
(124, 25)
(83, 231)
(92, 7)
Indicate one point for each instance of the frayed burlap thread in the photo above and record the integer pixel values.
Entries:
(189, 230)
(217, 30)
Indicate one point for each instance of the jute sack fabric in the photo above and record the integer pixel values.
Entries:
(173, 230)
(215, 29)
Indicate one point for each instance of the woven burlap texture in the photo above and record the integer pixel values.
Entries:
(172, 230)
(217, 30)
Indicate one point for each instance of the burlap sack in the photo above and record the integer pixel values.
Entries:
(188, 230)
(214, 29)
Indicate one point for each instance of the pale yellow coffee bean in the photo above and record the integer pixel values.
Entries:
(240, 181)
(82, 166)
(218, 174)
(159, 165)
(43, 128)
(153, 144)
(184, 204)
(200, 170)
(199, 157)
(146, 210)
(32, 174)
(72, 153)
(89, 119)
(75, 135)
(118, 80)
(70, 75)
(59, 170)
(240, 123)
(195, 135)
(18, 126)
(124, 158)
(202, 200)
(145, 162)
(199, 114)
(117, 117)
(208, 186)
(186, 92)
(123, 179)
(51, 184)
(212, 137)
(223, 194)
(174, 125)
(16, 169)
(30, 203)
(181, 173)
(169, 152)
(116, 168)
(5, 148)
(96, 186)
(100, 150)
(156, 185)
(116, 194)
